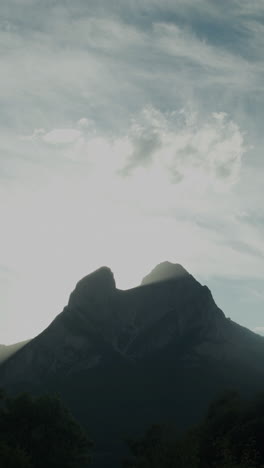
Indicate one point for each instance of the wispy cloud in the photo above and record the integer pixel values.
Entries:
(79, 61)
(175, 171)
(259, 330)
(179, 146)
(128, 127)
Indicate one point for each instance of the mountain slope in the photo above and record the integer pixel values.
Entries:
(6, 351)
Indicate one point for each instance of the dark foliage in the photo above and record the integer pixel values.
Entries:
(40, 433)
(231, 436)
(13, 457)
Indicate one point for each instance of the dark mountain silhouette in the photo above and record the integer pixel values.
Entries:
(6, 351)
(165, 271)
(125, 359)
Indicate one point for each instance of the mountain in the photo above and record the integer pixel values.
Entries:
(165, 271)
(6, 351)
(125, 359)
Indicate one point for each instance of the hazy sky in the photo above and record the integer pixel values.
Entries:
(131, 132)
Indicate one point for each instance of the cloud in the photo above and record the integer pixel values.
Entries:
(148, 138)
(183, 43)
(84, 123)
(259, 330)
(187, 148)
(174, 193)
(6, 273)
(35, 135)
(61, 136)
(83, 62)
(173, 147)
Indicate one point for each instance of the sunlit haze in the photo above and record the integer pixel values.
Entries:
(131, 133)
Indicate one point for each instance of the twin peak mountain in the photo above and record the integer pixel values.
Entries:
(122, 360)
(169, 317)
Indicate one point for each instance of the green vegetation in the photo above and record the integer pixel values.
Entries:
(13, 457)
(231, 436)
(40, 433)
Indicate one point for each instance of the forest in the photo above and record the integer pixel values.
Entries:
(39, 432)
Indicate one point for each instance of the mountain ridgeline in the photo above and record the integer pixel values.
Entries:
(122, 360)
(6, 351)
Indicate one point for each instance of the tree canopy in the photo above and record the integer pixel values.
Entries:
(231, 436)
(39, 433)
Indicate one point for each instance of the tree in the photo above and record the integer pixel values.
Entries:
(43, 431)
(163, 447)
(2, 394)
(231, 436)
(13, 457)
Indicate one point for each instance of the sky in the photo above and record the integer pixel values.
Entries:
(131, 132)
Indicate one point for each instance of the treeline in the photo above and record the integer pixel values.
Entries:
(231, 436)
(40, 432)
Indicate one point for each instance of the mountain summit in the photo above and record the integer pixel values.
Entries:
(94, 288)
(165, 271)
(125, 359)
(102, 278)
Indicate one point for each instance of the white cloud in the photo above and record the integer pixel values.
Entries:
(35, 135)
(165, 148)
(85, 123)
(186, 149)
(183, 44)
(61, 136)
(259, 330)
(109, 68)
(88, 186)
(178, 187)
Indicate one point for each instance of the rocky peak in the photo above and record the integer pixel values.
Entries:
(97, 285)
(165, 271)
